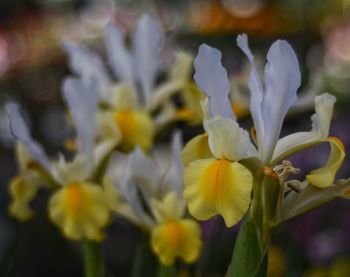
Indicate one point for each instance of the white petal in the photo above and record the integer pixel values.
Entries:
(88, 66)
(321, 120)
(139, 175)
(211, 78)
(82, 101)
(147, 41)
(120, 59)
(228, 141)
(174, 177)
(294, 143)
(21, 132)
(282, 79)
(256, 91)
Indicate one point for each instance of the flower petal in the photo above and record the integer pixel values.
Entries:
(81, 210)
(227, 140)
(282, 79)
(119, 56)
(179, 238)
(256, 90)
(196, 149)
(211, 78)
(173, 179)
(82, 100)
(21, 132)
(217, 187)
(147, 41)
(321, 120)
(324, 176)
(87, 65)
(170, 207)
(21, 194)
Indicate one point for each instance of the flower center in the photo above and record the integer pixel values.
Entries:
(74, 198)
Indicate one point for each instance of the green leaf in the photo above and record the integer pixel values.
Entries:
(248, 253)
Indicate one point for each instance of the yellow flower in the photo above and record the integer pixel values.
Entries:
(21, 194)
(80, 209)
(173, 236)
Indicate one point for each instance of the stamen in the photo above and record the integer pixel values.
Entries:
(285, 170)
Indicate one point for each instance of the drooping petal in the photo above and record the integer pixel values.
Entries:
(88, 65)
(196, 149)
(170, 207)
(120, 59)
(321, 120)
(179, 238)
(282, 79)
(256, 90)
(217, 187)
(227, 140)
(80, 210)
(137, 129)
(21, 132)
(173, 178)
(82, 99)
(147, 41)
(324, 176)
(211, 78)
(22, 193)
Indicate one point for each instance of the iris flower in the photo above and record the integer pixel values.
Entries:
(218, 177)
(156, 204)
(133, 108)
(78, 205)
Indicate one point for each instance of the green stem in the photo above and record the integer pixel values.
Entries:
(166, 271)
(93, 259)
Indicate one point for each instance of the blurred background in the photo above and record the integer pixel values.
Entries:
(33, 65)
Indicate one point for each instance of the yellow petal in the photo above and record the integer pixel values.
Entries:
(171, 207)
(178, 238)
(80, 210)
(217, 187)
(324, 176)
(21, 194)
(197, 148)
(137, 128)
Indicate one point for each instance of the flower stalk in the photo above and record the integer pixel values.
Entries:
(93, 259)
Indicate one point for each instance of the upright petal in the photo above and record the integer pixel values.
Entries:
(321, 120)
(256, 90)
(82, 99)
(21, 132)
(227, 140)
(173, 179)
(282, 79)
(140, 175)
(88, 65)
(147, 41)
(120, 59)
(211, 78)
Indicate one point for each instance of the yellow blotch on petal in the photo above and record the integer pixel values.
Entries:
(178, 238)
(137, 128)
(21, 194)
(215, 187)
(323, 177)
(196, 149)
(80, 210)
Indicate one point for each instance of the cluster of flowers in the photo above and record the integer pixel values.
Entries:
(115, 166)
